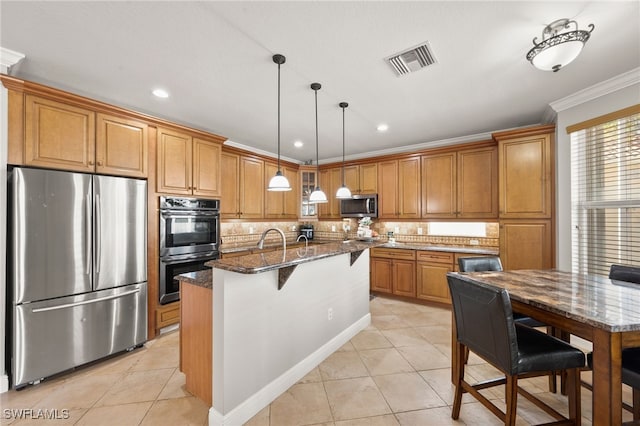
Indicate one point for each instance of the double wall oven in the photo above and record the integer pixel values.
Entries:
(189, 237)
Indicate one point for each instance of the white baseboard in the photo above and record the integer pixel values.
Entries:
(252, 405)
(4, 383)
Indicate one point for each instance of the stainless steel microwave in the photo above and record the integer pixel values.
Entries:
(360, 205)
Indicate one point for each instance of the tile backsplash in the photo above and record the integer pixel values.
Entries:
(250, 232)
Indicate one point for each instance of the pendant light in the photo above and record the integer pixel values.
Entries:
(317, 196)
(343, 192)
(279, 182)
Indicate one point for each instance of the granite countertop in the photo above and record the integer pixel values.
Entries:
(450, 249)
(590, 299)
(269, 261)
(199, 278)
(236, 247)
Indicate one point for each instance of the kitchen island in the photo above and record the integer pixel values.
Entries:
(277, 315)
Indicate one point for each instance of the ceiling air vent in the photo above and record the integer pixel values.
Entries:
(412, 59)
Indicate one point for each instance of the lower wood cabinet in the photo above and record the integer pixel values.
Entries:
(167, 315)
(393, 271)
(431, 272)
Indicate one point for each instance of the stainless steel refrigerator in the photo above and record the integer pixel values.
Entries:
(77, 269)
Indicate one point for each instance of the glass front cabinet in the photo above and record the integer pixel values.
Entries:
(308, 183)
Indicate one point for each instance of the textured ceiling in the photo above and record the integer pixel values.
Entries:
(215, 60)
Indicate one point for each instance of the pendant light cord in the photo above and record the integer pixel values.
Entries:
(343, 147)
(317, 156)
(278, 117)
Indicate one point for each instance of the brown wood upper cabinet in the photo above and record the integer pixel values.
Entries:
(188, 165)
(526, 172)
(399, 188)
(361, 178)
(462, 184)
(330, 181)
(64, 136)
(285, 204)
(243, 187)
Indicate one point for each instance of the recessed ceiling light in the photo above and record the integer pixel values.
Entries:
(298, 144)
(382, 127)
(160, 93)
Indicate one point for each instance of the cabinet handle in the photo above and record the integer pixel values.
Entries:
(90, 163)
(99, 163)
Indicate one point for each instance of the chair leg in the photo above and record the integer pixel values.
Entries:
(636, 404)
(573, 385)
(552, 382)
(466, 355)
(511, 391)
(457, 400)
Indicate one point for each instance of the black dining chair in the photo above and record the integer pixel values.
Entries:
(630, 356)
(484, 323)
(493, 263)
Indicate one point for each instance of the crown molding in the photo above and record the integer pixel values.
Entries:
(597, 90)
(261, 152)
(9, 58)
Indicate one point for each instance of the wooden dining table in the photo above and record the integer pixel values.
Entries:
(595, 308)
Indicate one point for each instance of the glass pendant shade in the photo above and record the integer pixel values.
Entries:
(279, 182)
(318, 196)
(560, 45)
(343, 193)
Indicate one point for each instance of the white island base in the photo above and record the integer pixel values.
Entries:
(265, 340)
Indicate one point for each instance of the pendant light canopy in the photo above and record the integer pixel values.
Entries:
(317, 196)
(279, 182)
(343, 192)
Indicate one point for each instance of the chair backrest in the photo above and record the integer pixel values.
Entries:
(478, 264)
(630, 274)
(484, 321)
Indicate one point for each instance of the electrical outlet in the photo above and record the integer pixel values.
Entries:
(251, 229)
(474, 242)
(333, 228)
(293, 227)
(330, 314)
(419, 231)
(396, 230)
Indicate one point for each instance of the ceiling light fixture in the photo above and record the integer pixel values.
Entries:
(160, 93)
(279, 182)
(343, 191)
(382, 127)
(560, 45)
(298, 144)
(317, 196)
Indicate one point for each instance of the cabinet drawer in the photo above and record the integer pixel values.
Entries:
(167, 315)
(393, 253)
(435, 256)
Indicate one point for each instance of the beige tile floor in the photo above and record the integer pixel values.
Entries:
(396, 372)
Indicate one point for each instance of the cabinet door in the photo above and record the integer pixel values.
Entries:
(251, 188)
(58, 135)
(404, 278)
(121, 146)
(352, 179)
(525, 177)
(381, 275)
(174, 162)
(230, 186)
(439, 185)
(291, 198)
(432, 281)
(368, 179)
(387, 189)
(273, 200)
(478, 183)
(206, 168)
(409, 188)
(330, 181)
(526, 244)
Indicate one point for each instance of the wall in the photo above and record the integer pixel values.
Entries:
(601, 105)
(4, 382)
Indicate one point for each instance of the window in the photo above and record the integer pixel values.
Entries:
(605, 194)
(458, 229)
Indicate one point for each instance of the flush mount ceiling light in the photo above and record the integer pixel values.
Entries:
(382, 127)
(298, 144)
(343, 191)
(317, 196)
(561, 43)
(279, 182)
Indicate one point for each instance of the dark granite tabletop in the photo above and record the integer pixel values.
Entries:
(199, 278)
(598, 301)
(269, 261)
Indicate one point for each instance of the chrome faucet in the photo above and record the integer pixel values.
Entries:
(264, 234)
(306, 240)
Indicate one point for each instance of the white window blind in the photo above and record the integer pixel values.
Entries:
(605, 195)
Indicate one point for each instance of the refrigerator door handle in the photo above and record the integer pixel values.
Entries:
(87, 227)
(98, 235)
(86, 302)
